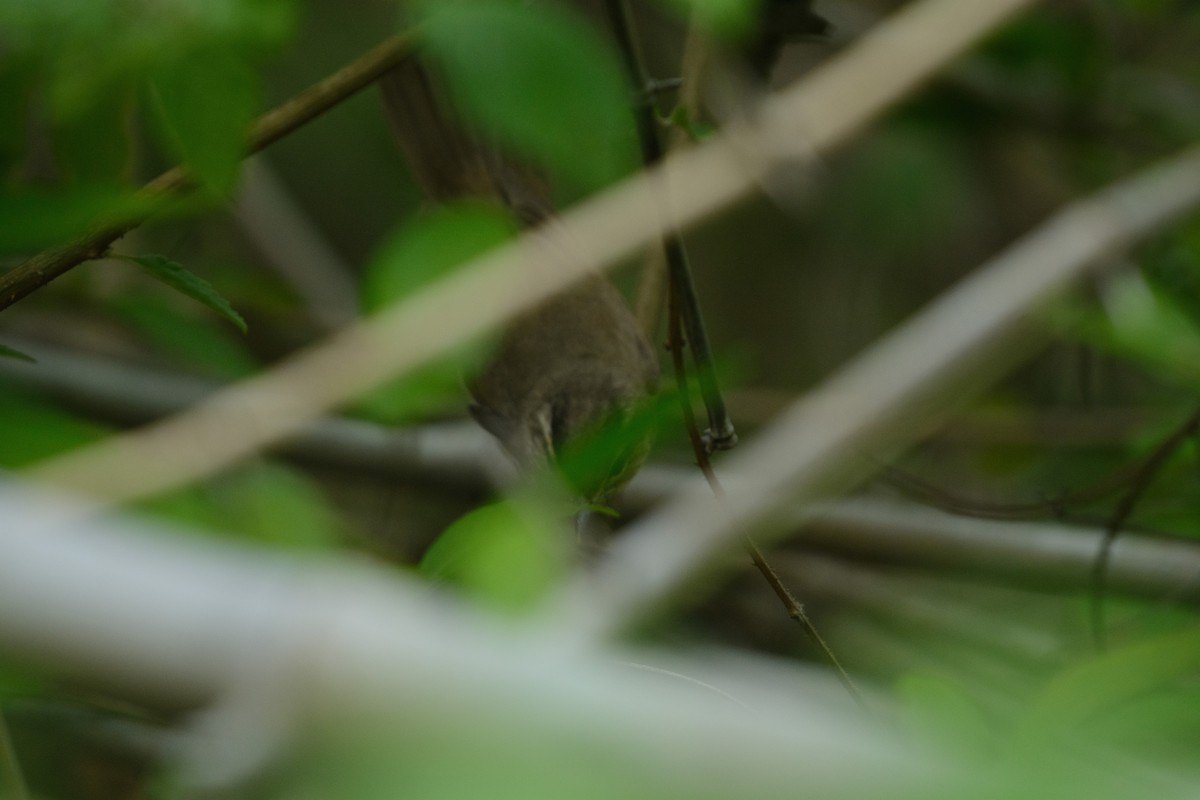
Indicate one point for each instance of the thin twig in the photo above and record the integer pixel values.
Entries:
(1134, 478)
(1147, 471)
(1055, 506)
(650, 297)
(721, 434)
(700, 451)
(272, 126)
(684, 307)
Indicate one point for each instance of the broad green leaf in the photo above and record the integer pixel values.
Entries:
(11, 352)
(1104, 683)
(944, 713)
(199, 341)
(538, 79)
(598, 463)
(32, 429)
(262, 502)
(428, 248)
(1141, 322)
(190, 507)
(94, 144)
(16, 86)
(273, 504)
(1172, 265)
(206, 101)
(1160, 723)
(697, 130)
(190, 284)
(505, 555)
(278, 505)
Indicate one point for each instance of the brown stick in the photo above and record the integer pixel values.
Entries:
(272, 126)
(675, 344)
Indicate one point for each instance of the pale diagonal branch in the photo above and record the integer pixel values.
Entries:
(884, 400)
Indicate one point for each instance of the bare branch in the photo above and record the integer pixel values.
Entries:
(293, 247)
(453, 453)
(1044, 555)
(39, 270)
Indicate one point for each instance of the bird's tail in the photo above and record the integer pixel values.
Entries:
(446, 161)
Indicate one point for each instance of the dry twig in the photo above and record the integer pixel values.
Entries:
(272, 126)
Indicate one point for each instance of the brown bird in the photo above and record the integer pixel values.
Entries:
(576, 361)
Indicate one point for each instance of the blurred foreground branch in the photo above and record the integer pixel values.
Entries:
(179, 621)
(293, 246)
(279, 647)
(1046, 555)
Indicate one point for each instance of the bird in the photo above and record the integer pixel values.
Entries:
(565, 368)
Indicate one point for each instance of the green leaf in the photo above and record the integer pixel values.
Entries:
(278, 505)
(94, 143)
(16, 86)
(420, 253)
(1096, 687)
(598, 463)
(206, 101)
(199, 341)
(505, 555)
(261, 502)
(32, 430)
(10, 352)
(697, 130)
(1172, 264)
(430, 247)
(538, 79)
(1139, 321)
(190, 284)
(1161, 723)
(945, 713)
